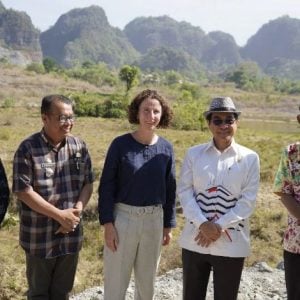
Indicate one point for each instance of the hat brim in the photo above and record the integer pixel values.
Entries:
(207, 113)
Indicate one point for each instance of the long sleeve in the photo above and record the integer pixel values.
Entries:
(133, 178)
(108, 186)
(169, 207)
(4, 192)
(246, 202)
(186, 193)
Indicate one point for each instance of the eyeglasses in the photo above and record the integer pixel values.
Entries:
(63, 119)
(219, 122)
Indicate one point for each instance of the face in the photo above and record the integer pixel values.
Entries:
(57, 123)
(223, 127)
(149, 114)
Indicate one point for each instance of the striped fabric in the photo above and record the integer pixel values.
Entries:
(219, 187)
(217, 201)
(58, 176)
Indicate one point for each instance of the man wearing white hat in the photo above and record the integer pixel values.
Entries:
(217, 189)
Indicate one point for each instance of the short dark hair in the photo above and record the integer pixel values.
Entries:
(49, 99)
(134, 106)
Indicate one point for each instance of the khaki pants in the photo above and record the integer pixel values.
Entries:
(140, 232)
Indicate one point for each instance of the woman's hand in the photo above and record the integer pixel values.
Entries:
(167, 236)
(111, 236)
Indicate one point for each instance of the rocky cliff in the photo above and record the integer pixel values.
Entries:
(19, 39)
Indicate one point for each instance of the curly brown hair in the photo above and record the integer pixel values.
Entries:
(133, 108)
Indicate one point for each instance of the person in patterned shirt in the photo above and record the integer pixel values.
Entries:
(287, 186)
(4, 192)
(53, 179)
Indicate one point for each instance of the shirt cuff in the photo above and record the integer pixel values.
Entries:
(198, 223)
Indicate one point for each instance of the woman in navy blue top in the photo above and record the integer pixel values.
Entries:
(137, 199)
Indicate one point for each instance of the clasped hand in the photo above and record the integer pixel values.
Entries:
(70, 218)
(208, 232)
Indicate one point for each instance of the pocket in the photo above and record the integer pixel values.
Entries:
(75, 170)
(43, 183)
(121, 221)
(232, 181)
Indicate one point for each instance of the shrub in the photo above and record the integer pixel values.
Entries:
(188, 115)
(36, 67)
(96, 74)
(50, 64)
(8, 102)
(115, 107)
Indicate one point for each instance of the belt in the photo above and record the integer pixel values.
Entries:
(138, 210)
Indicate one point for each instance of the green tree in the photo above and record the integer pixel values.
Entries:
(36, 67)
(129, 74)
(49, 64)
(246, 76)
(172, 77)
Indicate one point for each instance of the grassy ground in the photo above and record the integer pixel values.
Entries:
(266, 225)
(266, 126)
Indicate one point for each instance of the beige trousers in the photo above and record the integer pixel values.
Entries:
(140, 231)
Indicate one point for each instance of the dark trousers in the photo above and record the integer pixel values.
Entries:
(292, 274)
(50, 279)
(227, 272)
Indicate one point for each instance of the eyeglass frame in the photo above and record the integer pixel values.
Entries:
(62, 119)
(220, 122)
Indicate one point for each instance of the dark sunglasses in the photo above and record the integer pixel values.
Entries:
(219, 122)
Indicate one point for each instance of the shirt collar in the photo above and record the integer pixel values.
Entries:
(47, 141)
(233, 146)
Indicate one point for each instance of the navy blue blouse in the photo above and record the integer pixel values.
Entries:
(138, 175)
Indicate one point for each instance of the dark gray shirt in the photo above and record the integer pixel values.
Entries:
(57, 175)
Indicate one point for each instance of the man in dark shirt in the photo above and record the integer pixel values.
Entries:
(4, 192)
(52, 177)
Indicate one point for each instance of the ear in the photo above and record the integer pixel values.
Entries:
(44, 118)
(298, 118)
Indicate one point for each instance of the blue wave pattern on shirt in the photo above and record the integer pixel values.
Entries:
(216, 200)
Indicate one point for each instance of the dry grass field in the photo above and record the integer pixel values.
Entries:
(268, 123)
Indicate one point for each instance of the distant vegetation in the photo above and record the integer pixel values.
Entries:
(246, 76)
(153, 44)
(101, 68)
(101, 97)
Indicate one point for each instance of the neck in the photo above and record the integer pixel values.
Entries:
(54, 142)
(145, 137)
(221, 146)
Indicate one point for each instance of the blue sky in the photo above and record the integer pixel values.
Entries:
(240, 18)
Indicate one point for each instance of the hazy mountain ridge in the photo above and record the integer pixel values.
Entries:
(19, 39)
(151, 32)
(85, 34)
(278, 38)
(153, 43)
